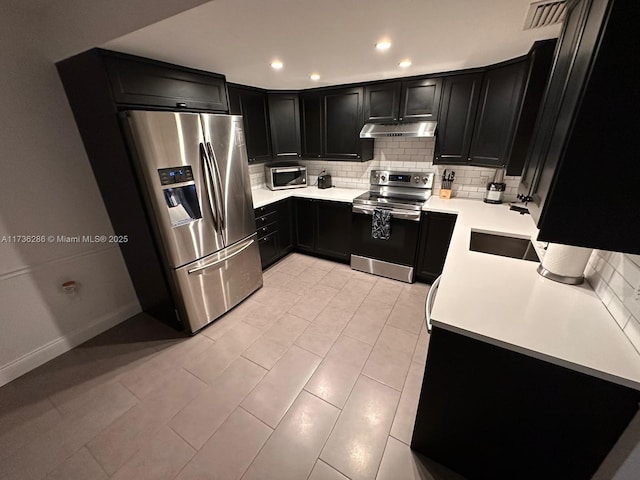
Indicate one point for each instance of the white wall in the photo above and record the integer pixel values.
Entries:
(405, 154)
(48, 186)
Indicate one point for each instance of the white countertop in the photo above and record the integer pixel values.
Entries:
(504, 301)
(264, 196)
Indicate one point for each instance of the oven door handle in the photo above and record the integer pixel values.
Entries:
(412, 215)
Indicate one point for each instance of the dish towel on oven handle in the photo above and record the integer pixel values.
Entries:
(381, 224)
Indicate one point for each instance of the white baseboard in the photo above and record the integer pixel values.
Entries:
(51, 350)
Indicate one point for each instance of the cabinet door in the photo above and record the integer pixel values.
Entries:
(256, 123)
(269, 251)
(136, 81)
(455, 121)
(285, 125)
(333, 232)
(342, 110)
(420, 100)
(311, 122)
(498, 110)
(382, 102)
(235, 100)
(285, 225)
(306, 214)
(435, 235)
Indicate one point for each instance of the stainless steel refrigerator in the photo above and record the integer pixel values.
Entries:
(193, 171)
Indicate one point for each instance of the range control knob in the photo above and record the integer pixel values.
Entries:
(416, 179)
(383, 178)
(376, 176)
(425, 180)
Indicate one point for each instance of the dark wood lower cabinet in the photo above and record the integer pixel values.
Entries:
(274, 228)
(435, 235)
(490, 413)
(323, 228)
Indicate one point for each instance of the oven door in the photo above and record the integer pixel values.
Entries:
(382, 256)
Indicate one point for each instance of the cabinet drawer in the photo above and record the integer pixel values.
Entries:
(263, 220)
(260, 211)
(267, 229)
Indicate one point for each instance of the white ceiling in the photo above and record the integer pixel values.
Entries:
(336, 38)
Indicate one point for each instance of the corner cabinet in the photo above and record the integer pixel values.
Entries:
(284, 120)
(436, 230)
(405, 101)
(311, 124)
(323, 228)
(588, 130)
(252, 105)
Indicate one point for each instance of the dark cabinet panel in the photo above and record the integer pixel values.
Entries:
(269, 251)
(435, 235)
(588, 129)
(305, 211)
(498, 109)
(286, 221)
(382, 102)
(139, 81)
(457, 115)
(342, 109)
(285, 125)
(420, 99)
(333, 229)
(255, 116)
(311, 122)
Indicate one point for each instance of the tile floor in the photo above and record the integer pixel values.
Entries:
(316, 376)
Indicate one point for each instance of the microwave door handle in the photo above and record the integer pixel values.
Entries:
(208, 182)
(219, 186)
(287, 169)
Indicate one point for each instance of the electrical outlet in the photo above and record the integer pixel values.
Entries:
(484, 180)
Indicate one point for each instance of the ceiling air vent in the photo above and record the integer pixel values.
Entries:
(544, 13)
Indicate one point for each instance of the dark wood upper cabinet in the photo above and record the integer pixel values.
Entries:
(498, 109)
(420, 99)
(457, 115)
(255, 116)
(139, 81)
(588, 130)
(342, 112)
(284, 118)
(311, 123)
(382, 102)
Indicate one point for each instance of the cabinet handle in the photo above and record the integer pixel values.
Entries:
(181, 105)
(400, 118)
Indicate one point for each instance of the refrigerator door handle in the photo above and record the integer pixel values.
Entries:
(222, 260)
(207, 171)
(219, 185)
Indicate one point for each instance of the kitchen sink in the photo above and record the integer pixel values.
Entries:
(504, 246)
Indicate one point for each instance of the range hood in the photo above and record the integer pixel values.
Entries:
(416, 129)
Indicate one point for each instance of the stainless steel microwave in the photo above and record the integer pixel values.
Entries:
(279, 177)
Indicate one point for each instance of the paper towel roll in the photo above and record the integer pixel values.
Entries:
(566, 260)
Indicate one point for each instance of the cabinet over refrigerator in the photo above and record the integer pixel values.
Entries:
(192, 169)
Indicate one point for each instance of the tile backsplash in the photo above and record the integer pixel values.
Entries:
(400, 153)
(615, 277)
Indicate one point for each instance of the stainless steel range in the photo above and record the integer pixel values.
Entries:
(386, 223)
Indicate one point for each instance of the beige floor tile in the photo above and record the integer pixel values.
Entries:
(422, 347)
(316, 272)
(313, 303)
(163, 457)
(385, 292)
(299, 286)
(276, 297)
(349, 301)
(80, 466)
(358, 440)
(265, 352)
(276, 279)
(293, 448)
(391, 357)
(322, 264)
(210, 363)
(368, 321)
(407, 317)
(336, 278)
(229, 320)
(399, 462)
(315, 342)
(337, 374)
(402, 428)
(263, 317)
(322, 471)
(228, 454)
(202, 417)
(273, 396)
(287, 329)
(124, 437)
(51, 449)
(418, 289)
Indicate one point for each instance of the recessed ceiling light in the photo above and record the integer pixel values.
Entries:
(405, 63)
(277, 64)
(383, 45)
(314, 76)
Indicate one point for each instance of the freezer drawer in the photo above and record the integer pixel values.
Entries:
(215, 284)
